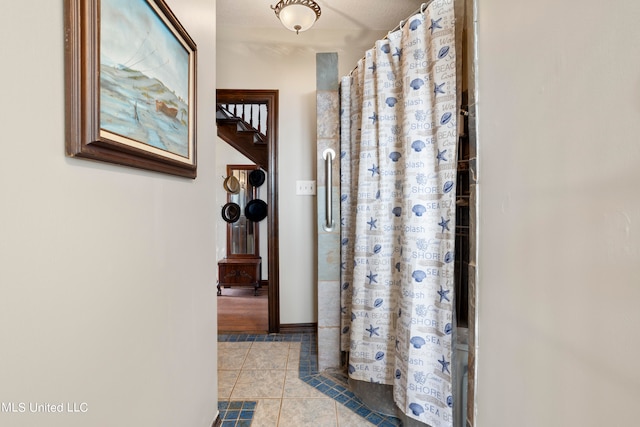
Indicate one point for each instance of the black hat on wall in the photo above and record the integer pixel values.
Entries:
(256, 177)
(256, 210)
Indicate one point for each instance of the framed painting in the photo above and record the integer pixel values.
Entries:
(130, 83)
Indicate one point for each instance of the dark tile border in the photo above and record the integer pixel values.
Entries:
(236, 413)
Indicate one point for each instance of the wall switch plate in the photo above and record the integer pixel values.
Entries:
(305, 188)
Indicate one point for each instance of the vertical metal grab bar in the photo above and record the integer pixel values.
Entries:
(328, 155)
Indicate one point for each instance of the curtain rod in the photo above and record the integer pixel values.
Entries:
(421, 9)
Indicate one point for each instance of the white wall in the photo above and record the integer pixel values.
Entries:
(107, 273)
(246, 62)
(559, 237)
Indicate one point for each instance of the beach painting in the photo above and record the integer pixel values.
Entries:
(147, 87)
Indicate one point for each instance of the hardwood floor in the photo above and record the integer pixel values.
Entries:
(241, 311)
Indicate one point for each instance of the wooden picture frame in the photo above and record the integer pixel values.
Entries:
(130, 85)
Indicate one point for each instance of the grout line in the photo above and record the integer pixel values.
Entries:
(279, 412)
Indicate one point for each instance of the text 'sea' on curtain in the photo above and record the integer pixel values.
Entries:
(398, 179)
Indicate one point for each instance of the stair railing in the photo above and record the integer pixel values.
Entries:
(253, 114)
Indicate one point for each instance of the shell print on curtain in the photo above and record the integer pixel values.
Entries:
(398, 173)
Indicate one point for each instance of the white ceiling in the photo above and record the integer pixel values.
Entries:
(336, 14)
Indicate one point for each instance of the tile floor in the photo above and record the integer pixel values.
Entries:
(273, 380)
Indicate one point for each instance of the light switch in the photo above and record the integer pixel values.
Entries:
(305, 188)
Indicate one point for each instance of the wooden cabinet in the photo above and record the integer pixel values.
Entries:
(239, 272)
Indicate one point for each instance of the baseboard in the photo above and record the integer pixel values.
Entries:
(298, 328)
(217, 422)
(264, 283)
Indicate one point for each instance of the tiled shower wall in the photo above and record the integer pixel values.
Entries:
(328, 136)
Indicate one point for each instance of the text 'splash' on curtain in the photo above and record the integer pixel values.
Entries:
(398, 178)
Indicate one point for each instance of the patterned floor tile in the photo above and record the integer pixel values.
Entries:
(254, 384)
(308, 412)
(280, 377)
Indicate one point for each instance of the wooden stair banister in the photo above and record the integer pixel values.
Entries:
(245, 121)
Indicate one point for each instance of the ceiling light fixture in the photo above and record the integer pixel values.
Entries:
(297, 15)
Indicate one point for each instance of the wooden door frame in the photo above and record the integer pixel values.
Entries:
(272, 217)
(270, 98)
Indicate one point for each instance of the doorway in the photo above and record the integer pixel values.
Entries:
(234, 132)
(242, 294)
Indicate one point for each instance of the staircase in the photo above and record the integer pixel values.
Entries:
(246, 121)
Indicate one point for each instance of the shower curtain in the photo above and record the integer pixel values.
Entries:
(399, 115)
